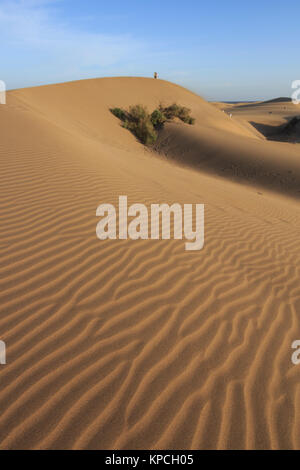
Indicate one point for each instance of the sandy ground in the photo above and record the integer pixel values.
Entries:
(140, 344)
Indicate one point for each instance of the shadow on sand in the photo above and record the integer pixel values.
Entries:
(289, 132)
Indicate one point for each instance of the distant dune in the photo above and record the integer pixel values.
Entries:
(283, 99)
(140, 344)
(263, 103)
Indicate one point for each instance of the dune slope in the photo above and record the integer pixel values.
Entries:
(139, 344)
(251, 161)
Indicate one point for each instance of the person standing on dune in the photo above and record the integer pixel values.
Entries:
(155, 75)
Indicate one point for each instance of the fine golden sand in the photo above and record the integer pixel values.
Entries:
(141, 344)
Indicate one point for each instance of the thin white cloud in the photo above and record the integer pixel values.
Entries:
(54, 47)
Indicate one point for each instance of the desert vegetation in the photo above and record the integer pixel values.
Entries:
(145, 125)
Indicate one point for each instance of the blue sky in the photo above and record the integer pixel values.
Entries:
(223, 50)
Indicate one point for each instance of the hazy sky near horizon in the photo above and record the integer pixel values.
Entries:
(223, 50)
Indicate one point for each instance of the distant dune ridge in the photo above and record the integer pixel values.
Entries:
(139, 344)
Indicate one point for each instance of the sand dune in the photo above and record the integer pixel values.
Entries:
(252, 161)
(140, 344)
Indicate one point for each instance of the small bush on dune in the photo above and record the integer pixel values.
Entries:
(184, 114)
(191, 121)
(144, 125)
(119, 113)
(138, 113)
(144, 131)
(181, 112)
(170, 111)
(138, 121)
(158, 119)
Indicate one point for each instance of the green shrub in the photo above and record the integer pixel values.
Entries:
(181, 112)
(144, 131)
(170, 111)
(144, 125)
(191, 121)
(138, 113)
(158, 119)
(139, 123)
(119, 113)
(184, 114)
